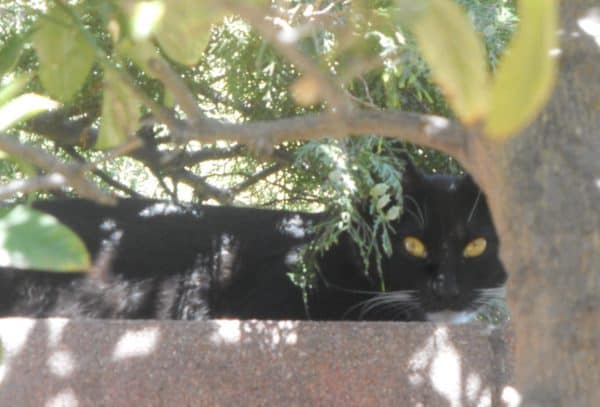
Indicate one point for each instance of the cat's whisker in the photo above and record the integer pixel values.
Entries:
(500, 291)
(421, 218)
(385, 300)
(472, 212)
(368, 303)
(395, 309)
(414, 215)
(401, 312)
(488, 298)
(491, 294)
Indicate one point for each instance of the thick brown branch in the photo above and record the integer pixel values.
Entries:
(58, 126)
(430, 131)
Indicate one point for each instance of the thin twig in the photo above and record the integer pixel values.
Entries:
(177, 86)
(206, 154)
(121, 150)
(219, 99)
(259, 176)
(203, 188)
(73, 173)
(103, 175)
(25, 186)
(331, 93)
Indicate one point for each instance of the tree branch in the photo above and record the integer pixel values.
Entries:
(330, 91)
(218, 99)
(41, 183)
(430, 131)
(175, 84)
(206, 154)
(73, 173)
(202, 187)
(58, 126)
(102, 175)
(259, 176)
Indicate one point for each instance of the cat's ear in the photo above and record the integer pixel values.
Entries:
(469, 183)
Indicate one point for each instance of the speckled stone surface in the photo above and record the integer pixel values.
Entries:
(69, 363)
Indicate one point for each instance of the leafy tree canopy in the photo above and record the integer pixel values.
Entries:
(150, 98)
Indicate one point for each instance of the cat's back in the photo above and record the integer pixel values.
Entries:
(153, 257)
(159, 235)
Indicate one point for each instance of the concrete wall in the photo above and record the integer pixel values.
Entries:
(66, 363)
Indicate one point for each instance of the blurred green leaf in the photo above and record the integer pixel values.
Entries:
(378, 190)
(393, 213)
(30, 239)
(14, 87)
(456, 57)
(386, 243)
(185, 29)
(11, 52)
(527, 72)
(66, 58)
(24, 107)
(120, 112)
(383, 201)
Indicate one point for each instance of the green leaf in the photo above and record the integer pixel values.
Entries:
(378, 190)
(383, 201)
(386, 243)
(527, 72)
(120, 112)
(185, 28)
(66, 58)
(24, 107)
(14, 87)
(11, 52)
(30, 239)
(456, 56)
(393, 213)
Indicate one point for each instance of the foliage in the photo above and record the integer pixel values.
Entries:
(454, 53)
(127, 69)
(365, 170)
(31, 239)
(518, 93)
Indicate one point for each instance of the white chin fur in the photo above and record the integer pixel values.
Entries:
(451, 317)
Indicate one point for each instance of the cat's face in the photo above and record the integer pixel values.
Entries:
(445, 261)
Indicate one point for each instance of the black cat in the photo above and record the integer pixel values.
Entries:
(160, 260)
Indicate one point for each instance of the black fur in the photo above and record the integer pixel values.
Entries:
(159, 260)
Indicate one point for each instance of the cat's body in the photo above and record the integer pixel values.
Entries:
(160, 260)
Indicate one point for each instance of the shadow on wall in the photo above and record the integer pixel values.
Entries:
(68, 363)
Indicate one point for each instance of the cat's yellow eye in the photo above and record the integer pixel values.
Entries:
(415, 247)
(475, 248)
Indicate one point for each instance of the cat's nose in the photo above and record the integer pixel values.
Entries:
(444, 285)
